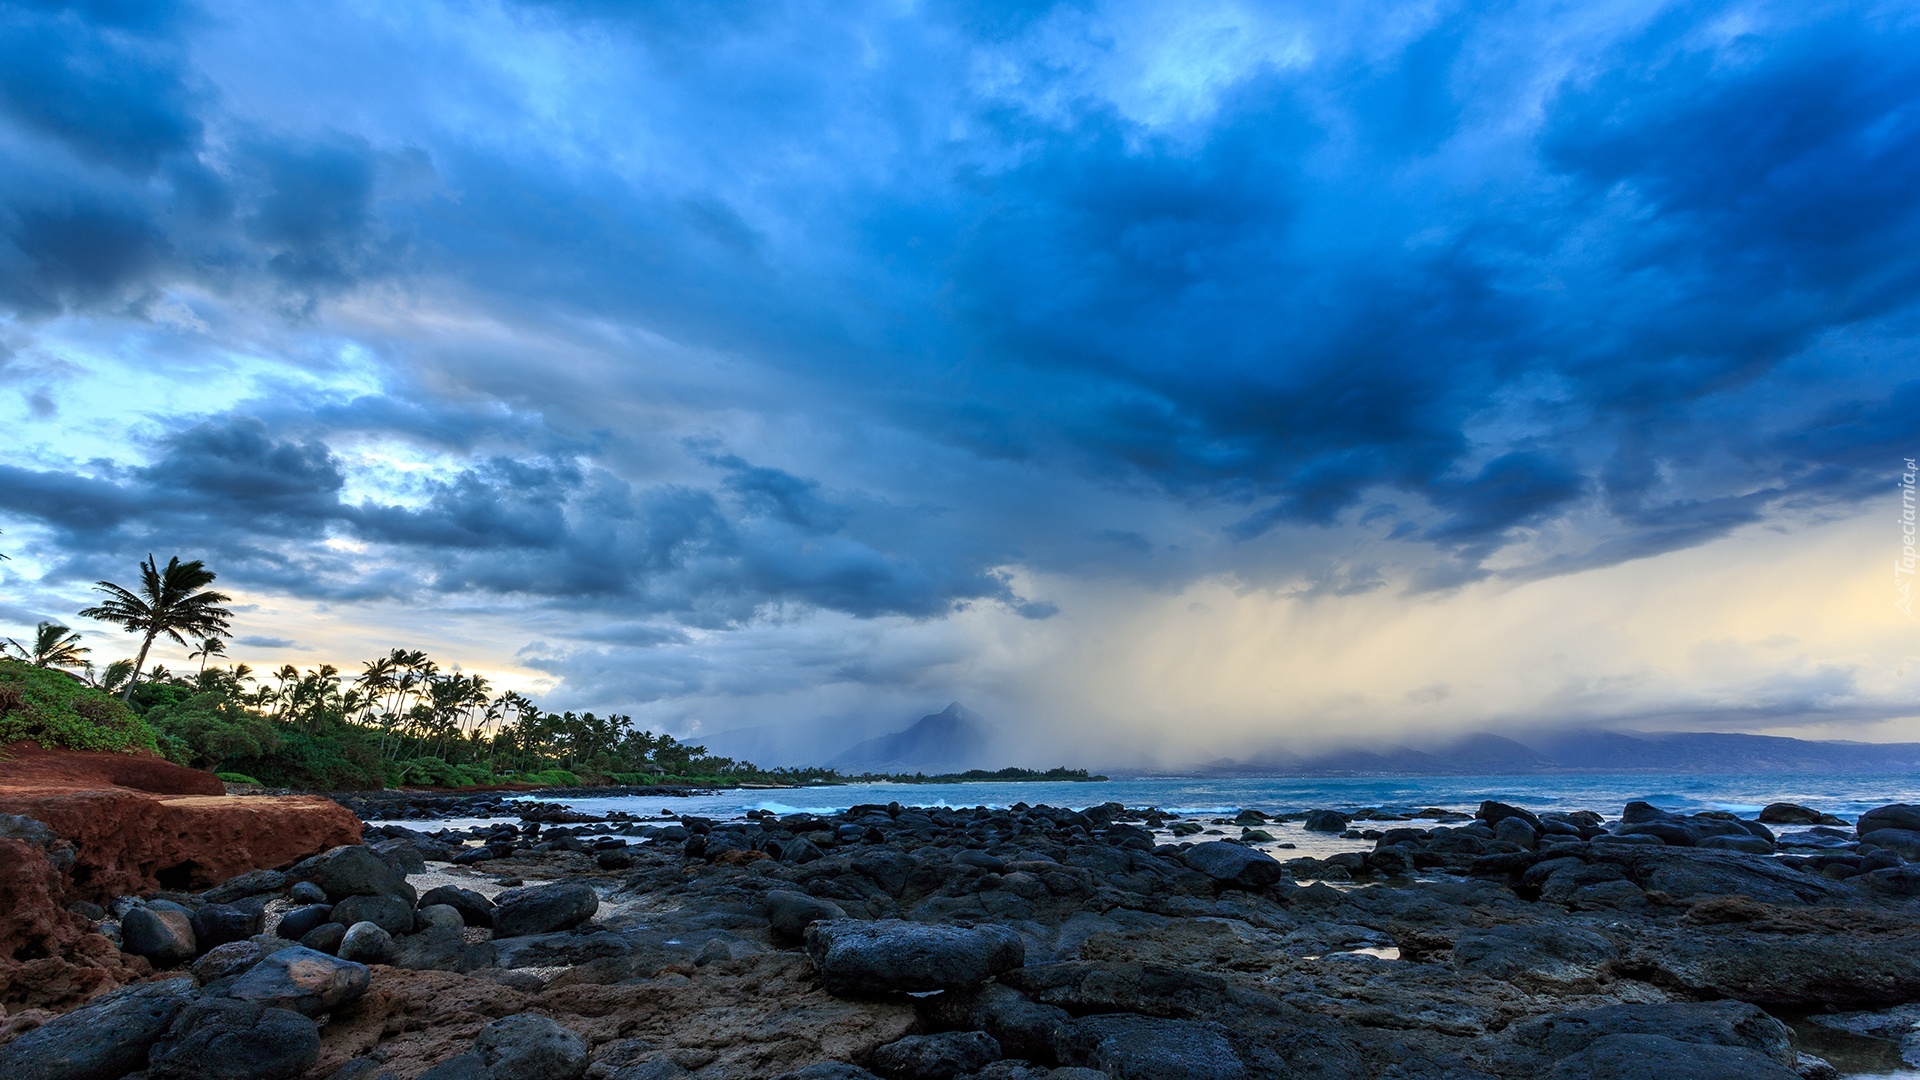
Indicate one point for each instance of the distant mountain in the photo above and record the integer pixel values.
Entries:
(1486, 753)
(947, 741)
(792, 742)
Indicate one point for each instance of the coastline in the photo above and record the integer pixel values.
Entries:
(647, 937)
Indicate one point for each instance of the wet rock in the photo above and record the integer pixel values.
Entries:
(325, 938)
(354, 870)
(856, 958)
(1752, 845)
(306, 892)
(226, 961)
(1895, 816)
(296, 922)
(442, 949)
(525, 1046)
(103, 1040)
(1656, 1057)
(1808, 1067)
(1126, 1046)
(1023, 1027)
(1327, 821)
(790, 913)
(1493, 813)
(251, 883)
(476, 909)
(829, 1070)
(218, 924)
(224, 1039)
(543, 909)
(433, 916)
(1542, 957)
(160, 931)
(944, 1056)
(401, 855)
(1906, 842)
(1715, 1023)
(1685, 875)
(366, 943)
(303, 980)
(1516, 830)
(389, 913)
(1233, 864)
(1786, 813)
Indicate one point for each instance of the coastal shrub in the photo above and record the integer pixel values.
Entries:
(205, 731)
(56, 709)
(551, 778)
(336, 758)
(235, 778)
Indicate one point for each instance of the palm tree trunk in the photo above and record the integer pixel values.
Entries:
(139, 662)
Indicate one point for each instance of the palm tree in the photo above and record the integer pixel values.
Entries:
(53, 646)
(174, 601)
(210, 646)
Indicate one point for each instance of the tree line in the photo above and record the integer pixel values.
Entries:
(401, 719)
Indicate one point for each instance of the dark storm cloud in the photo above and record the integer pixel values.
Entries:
(227, 490)
(1450, 291)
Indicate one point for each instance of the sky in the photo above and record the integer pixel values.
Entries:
(1163, 381)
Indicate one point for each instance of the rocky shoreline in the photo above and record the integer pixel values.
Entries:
(1024, 943)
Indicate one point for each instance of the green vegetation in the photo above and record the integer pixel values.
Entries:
(402, 720)
(53, 708)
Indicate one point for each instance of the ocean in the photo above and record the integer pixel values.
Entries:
(1844, 794)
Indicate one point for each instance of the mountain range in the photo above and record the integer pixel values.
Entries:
(957, 738)
(1574, 751)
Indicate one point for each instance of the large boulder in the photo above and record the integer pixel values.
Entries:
(1906, 842)
(524, 1046)
(224, 1039)
(945, 1056)
(1493, 813)
(1544, 957)
(1786, 813)
(854, 957)
(543, 909)
(1713, 1023)
(251, 883)
(1895, 816)
(474, 908)
(1806, 971)
(218, 924)
(1233, 864)
(295, 924)
(790, 913)
(303, 980)
(366, 943)
(354, 870)
(1329, 821)
(389, 913)
(1656, 1057)
(1127, 1046)
(103, 1040)
(1686, 875)
(161, 931)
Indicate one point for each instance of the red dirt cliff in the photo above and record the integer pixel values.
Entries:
(141, 824)
(136, 824)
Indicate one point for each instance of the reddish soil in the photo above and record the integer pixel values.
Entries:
(24, 765)
(142, 824)
(139, 824)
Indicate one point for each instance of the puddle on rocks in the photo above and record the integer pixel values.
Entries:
(1857, 1057)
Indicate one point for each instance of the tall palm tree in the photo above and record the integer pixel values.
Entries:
(53, 646)
(174, 601)
(210, 646)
